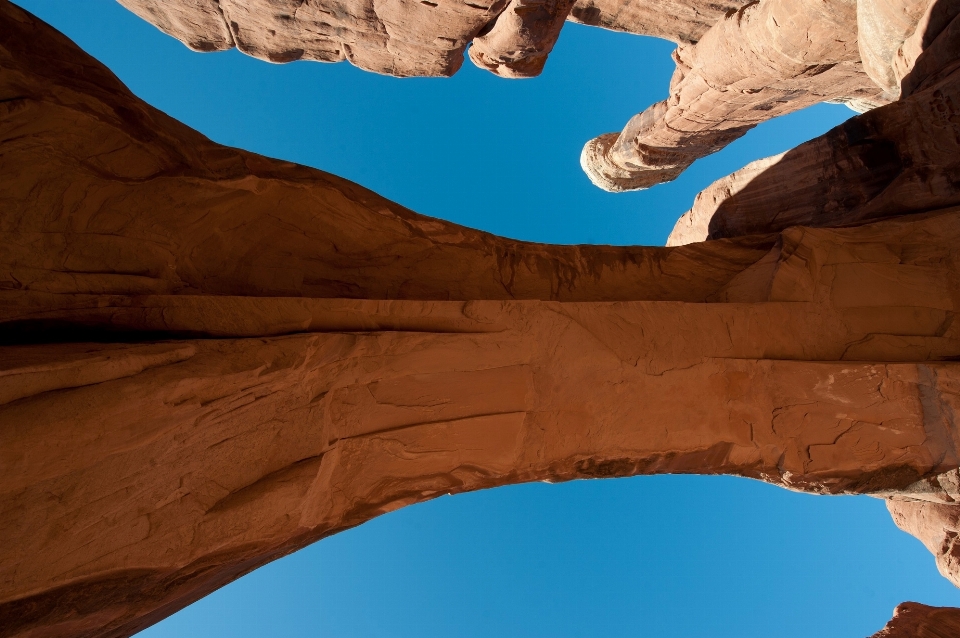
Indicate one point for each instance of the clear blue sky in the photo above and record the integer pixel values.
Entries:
(658, 557)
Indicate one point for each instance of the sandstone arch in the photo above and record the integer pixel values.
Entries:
(212, 358)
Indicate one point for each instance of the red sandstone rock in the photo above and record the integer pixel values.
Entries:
(913, 620)
(937, 525)
(518, 43)
(417, 37)
(932, 52)
(900, 158)
(199, 24)
(682, 21)
(882, 27)
(897, 159)
(740, 63)
(771, 58)
(768, 59)
(235, 356)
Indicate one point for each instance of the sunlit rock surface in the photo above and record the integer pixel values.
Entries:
(211, 358)
(900, 158)
(738, 63)
(417, 37)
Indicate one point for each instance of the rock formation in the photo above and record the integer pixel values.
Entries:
(766, 59)
(913, 620)
(937, 525)
(739, 62)
(775, 57)
(211, 359)
(410, 37)
(887, 162)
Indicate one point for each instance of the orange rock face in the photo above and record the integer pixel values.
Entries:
(211, 358)
(937, 525)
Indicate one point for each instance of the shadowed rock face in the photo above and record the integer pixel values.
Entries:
(913, 620)
(211, 359)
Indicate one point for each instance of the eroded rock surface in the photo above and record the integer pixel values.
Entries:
(937, 525)
(739, 63)
(778, 56)
(212, 358)
(897, 159)
(511, 38)
(682, 21)
(766, 59)
(913, 620)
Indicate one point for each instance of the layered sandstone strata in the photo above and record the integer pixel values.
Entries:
(212, 358)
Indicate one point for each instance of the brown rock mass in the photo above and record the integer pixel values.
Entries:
(210, 358)
(913, 620)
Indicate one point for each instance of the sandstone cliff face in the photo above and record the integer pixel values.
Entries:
(212, 358)
(764, 60)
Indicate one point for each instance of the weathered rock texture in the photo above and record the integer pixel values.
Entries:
(774, 57)
(882, 27)
(682, 21)
(213, 358)
(937, 525)
(417, 37)
(739, 63)
(767, 59)
(913, 620)
(894, 160)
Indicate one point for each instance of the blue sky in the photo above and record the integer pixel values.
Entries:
(661, 557)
